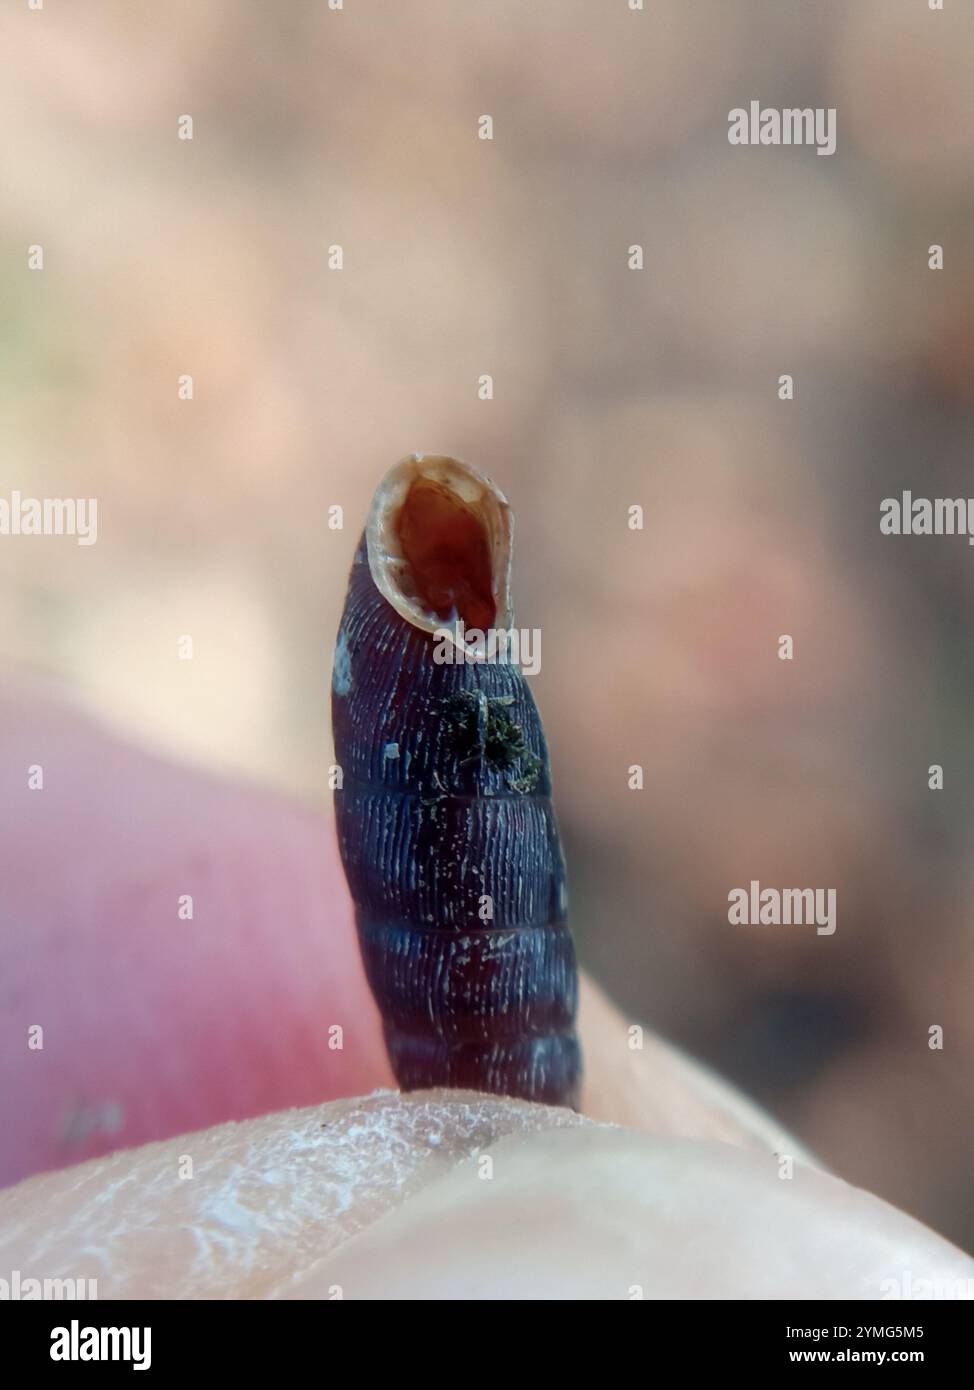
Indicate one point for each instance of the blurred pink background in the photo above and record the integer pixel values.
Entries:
(612, 387)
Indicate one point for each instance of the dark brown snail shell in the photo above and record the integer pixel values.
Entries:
(444, 812)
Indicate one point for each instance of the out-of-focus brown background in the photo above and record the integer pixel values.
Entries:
(358, 127)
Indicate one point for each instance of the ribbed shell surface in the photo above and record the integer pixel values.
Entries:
(431, 826)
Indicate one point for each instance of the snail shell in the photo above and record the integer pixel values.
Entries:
(445, 822)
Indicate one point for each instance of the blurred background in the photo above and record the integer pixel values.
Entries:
(612, 387)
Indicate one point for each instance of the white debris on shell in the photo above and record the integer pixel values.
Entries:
(341, 676)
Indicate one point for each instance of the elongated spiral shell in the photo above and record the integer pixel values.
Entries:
(444, 813)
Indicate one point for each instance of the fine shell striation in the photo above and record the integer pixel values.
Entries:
(445, 822)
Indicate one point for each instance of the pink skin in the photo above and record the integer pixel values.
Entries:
(154, 1025)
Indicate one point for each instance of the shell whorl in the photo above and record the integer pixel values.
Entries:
(445, 805)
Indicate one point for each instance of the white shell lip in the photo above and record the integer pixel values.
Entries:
(388, 567)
